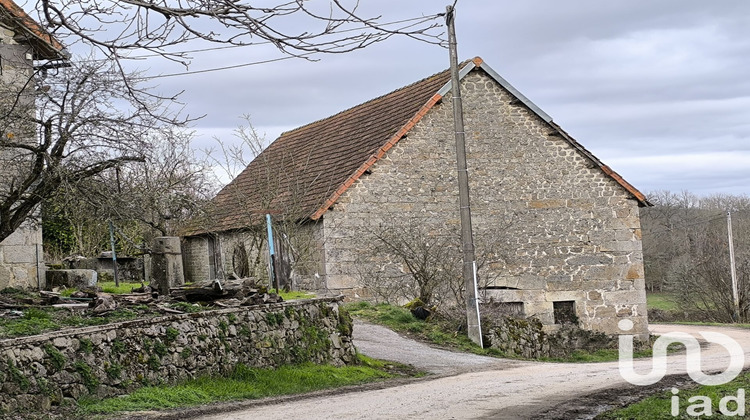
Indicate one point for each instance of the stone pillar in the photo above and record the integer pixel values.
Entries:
(166, 264)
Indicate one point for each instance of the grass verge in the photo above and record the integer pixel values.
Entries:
(660, 406)
(293, 295)
(244, 383)
(661, 301)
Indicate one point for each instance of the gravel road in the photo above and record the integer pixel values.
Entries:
(473, 387)
(381, 343)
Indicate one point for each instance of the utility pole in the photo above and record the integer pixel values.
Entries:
(735, 294)
(474, 328)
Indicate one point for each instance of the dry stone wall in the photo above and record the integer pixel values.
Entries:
(528, 339)
(61, 367)
(549, 224)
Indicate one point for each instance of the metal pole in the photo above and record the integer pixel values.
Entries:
(114, 252)
(272, 252)
(474, 328)
(735, 293)
(38, 268)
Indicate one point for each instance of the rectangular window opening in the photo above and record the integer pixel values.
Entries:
(565, 312)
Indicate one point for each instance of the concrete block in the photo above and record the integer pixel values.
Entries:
(77, 278)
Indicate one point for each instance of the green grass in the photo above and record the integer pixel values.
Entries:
(34, 321)
(242, 383)
(107, 287)
(110, 287)
(659, 406)
(661, 301)
(293, 295)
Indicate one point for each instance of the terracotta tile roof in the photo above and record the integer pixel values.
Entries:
(306, 170)
(308, 165)
(45, 45)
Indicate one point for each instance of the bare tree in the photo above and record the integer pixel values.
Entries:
(411, 260)
(686, 252)
(165, 190)
(278, 184)
(145, 199)
(69, 126)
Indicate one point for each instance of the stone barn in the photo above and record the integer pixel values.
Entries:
(557, 231)
(24, 46)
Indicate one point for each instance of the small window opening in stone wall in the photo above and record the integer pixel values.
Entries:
(565, 312)
(240, 263)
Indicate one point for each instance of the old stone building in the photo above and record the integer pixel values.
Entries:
(24, 45)
(557, 230)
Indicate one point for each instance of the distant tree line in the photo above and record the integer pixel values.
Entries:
(686, 252)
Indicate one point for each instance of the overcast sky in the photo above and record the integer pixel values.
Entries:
(658, 90)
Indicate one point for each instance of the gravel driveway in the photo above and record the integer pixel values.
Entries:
(381, 343)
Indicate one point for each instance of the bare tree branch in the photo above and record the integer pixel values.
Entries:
(158, 26)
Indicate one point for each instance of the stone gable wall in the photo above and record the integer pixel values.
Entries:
(560, 228)
(61, 367)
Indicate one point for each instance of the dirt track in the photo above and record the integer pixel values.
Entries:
(475, 387)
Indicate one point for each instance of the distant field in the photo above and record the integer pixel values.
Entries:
(663, 301)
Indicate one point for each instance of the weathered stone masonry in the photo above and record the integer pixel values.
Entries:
(114, 359)
(569, 232)
(21, 254)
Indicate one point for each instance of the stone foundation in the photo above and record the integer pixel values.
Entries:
(61, 367)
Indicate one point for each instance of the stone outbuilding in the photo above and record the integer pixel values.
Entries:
(24, 44)
(564, 228)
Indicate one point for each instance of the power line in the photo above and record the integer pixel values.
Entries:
(236, 66)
